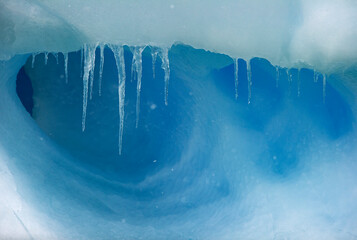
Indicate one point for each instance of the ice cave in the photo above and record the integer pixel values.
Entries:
(178, 120)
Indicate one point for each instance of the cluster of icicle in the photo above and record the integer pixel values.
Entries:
(277, 77)
(88, 57)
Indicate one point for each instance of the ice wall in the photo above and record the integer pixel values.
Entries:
(317, 33)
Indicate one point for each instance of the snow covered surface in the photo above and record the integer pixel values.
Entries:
(318, 33)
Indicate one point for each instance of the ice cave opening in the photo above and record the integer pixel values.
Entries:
(276, 135)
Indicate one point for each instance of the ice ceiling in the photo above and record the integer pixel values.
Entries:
(178, 119)
(317, 33)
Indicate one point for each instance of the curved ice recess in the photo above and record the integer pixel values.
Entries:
(261, 203)
(184, 182)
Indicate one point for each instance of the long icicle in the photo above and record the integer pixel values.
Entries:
(137, 67)
(236, 77)
(153, 59)
(65, 57)
(249, 78)
(89, 55)
(165, 65)
(91, 82)
(120, 62)
(101, 48)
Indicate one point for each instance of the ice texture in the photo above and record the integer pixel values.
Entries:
(318, 33)
(238, 120)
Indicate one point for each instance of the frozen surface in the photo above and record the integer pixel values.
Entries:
(319, 33)
(132, 137)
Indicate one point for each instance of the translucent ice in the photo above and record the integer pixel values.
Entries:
(118, 52)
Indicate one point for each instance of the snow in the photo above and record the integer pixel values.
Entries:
(319, 33)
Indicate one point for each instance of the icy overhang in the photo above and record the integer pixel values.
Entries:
(320, 34)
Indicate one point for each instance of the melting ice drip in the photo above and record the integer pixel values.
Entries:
(88, 58)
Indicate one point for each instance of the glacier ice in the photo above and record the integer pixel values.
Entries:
(246, 132)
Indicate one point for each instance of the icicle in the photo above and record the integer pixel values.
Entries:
(65, 57)
(137, 67)
(91, 82)
(56, 57)
(316, 76)
(46, 57)
(101, 48)
(165, 65)
(249, 78)
(236, 77)
(33, 60)
(277, 76)
(153, 57)
(120, 62)
(132, 71)
(299, 83)
(89, 56)
(324, 88)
